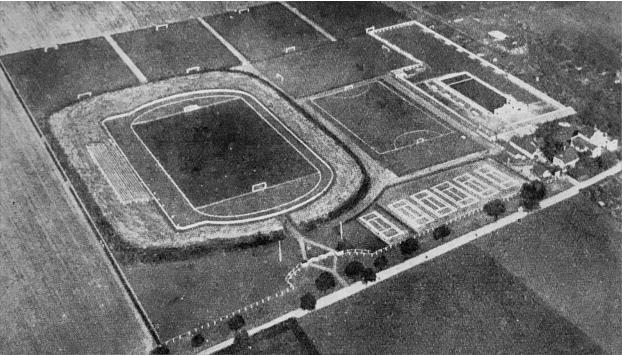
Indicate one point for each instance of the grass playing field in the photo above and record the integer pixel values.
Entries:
(381, 118)
(461, 302)
(348, 19)
(170, 51)
(265, 31)
(222, 150)
(330, 65)
(479, 93)
(49, 81)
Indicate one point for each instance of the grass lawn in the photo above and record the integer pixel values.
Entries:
(181, 295)
(348, 19)
(462, 302)
(380, 117)
(570, 256)
(220, 151)
(50, 81)
(265, 31)
(330, 65)
(170, 51)
(480, 94)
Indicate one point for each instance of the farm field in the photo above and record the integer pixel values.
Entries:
(172, 50)
(226, 144)
(330, 66)
(50, 81)
(461, 302)
(265, 31)
(59, 293)
(349, 19)
(392, 128)
(570, 256)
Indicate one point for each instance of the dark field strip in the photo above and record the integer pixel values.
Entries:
(481, 94)
(47, 82)
(170, 51)
(265, 31)
(461, 302)
(349, 19)
(219, 152)
(330, 65)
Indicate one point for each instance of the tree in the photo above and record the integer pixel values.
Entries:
(197, 340)
(325, 281)
(241, 341)
(307, 302)
(495, 208)
(368, 275)
(236, 322)
(344, 245)
(354, 269)
(532, 193)
(607, 160)
(409, 247)
(161, 349)
(381, 262)
(441, 232)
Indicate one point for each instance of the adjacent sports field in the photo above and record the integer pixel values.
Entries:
(220, 151)
(393, 126)
(225, 159)
(330, 65)
(50, 81)
(348, 19)
(381, 118)
(170, 51)
(265, 31)
(461, 302)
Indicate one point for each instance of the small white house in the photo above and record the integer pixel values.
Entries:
(497, 35)
(601, 139)
(567, 159)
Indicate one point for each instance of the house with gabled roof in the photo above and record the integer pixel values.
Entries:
(601, 139)
(526, 146)
(583, 145)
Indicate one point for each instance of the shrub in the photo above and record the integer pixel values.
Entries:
(495, 208)
(344, 245)
(381, 262)
(369, 275)
(354, 269)
(325, 281)
(307, 302)
(441, 232)
(409, 246)
(236, 322)
(197, 340)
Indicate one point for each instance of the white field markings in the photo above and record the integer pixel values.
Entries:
(224, 42)
(126, 59)
(242, 214)
(218, 222)
(134, 123)
(317, 27)
(381, 226)
(403, 98)
(455, 194)
(442, 249)
(518, 82)
(268, 187)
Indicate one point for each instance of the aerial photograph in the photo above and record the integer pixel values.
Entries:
(313, 177)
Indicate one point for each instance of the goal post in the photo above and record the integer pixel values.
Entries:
(259, 187)
(85, 95)
(193, 70)
(290, 49)
(161, 27)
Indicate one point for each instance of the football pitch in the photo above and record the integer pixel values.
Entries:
(381, 118)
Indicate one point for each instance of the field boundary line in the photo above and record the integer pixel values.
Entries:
(312, 23)
(383, 275)
(224, 42)
(126, 59)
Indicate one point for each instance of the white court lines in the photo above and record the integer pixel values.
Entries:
(126, 59)
(265, 215)
(426, 115)
(317, 27)
(224, 42)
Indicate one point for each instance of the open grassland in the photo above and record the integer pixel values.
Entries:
(265, 31)
(330, 66)
(462, 302)
(171, 51)
(59, 293)
(570, 256)
(348, 19)
(28, 25)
